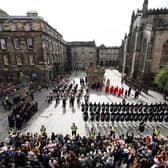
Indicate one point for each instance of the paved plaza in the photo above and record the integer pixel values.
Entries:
(57, 120)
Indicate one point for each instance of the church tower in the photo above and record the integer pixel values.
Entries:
(145, 7)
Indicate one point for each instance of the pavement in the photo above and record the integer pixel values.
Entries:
(57, 120)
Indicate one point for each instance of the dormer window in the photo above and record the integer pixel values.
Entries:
(13, 27)
(27, 27)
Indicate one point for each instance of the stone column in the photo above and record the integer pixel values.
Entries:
(134, 55)
(125, 55)
(146, 54)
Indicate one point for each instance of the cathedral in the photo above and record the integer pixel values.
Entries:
(145, 48)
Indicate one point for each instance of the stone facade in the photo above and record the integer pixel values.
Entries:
(108, 56)
(146, 44)
(30, 45)
(82, 53)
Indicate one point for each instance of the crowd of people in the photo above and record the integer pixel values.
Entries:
(96, 151)
(21, 113)
(8, 89)
(125, 112)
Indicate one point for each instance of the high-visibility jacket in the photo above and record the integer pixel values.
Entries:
(74, 128)
(135, 163)
(37, 146)
(113, 128)
(91, 133)
(11, 131)
(43, 130)
(156, 131)
(6, 97)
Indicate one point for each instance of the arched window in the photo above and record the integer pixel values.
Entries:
(143, 55)
(164, 54)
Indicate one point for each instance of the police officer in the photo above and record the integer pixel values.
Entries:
(113, 129)
(74, 129)
(43, 129)
(156, 132)
(92, 133)
(11, 132)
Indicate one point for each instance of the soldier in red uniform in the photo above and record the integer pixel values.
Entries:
(107, 89)
(116, 90)
(111, 89)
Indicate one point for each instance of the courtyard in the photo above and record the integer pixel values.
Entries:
(57, 120)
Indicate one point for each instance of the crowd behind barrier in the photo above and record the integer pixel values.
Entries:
(21, 113)
(57, 151)
(125, 112)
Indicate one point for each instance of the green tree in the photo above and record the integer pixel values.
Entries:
(161, 79)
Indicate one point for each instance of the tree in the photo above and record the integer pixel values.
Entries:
(161, 79)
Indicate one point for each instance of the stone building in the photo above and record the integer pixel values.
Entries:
(108, 56)
(82, 52)
(30, 45)
(146, 46)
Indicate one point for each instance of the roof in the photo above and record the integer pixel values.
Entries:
(21, 17)
(82, 43)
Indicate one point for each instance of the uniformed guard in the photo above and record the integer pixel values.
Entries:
(156, 132)
(43, 129)
(92, 133)
(141, 126)
(113, 130)
(74, 129)
(11, 132)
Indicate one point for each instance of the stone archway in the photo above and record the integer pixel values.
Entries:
(164, 54)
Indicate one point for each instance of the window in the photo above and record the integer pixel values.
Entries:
(27, 27)
(18, 60)
(1, 27)
(6, 60)
(3, 44)
(16, 43)
(53, 58)
(13, 27)
(48, 59)
(82, 55)
(31, 60)
(29, 43)
(90, 54)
